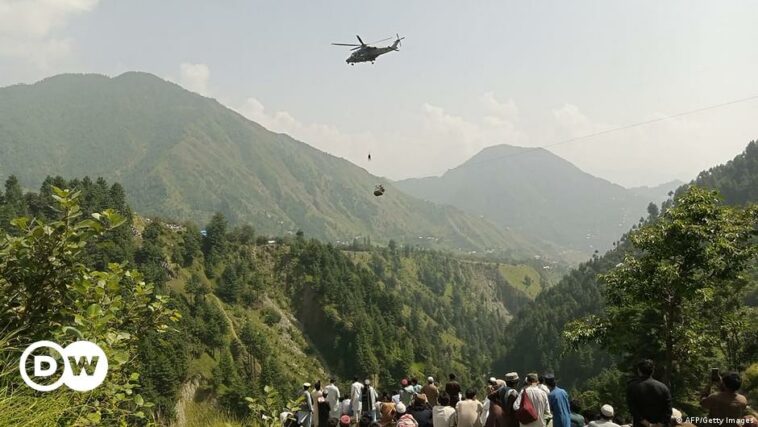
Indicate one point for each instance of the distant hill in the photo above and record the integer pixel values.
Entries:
(184, 156)
(657, 193)
(538, 326)
(537, 193)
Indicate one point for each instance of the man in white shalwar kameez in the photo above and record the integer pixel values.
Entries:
(538, 398)
(333, 398)
(356, 390)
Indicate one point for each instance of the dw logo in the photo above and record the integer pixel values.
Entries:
(84, 365)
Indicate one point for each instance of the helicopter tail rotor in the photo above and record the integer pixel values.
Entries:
(396, 45)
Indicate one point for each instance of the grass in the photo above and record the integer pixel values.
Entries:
(203, 414)
(516, 274)
(21, 406)
(203, 365)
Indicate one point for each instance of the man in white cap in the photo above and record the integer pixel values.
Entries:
(431, 391)
(508, 396)
(305, 414)
(400, 409)
(606, 417)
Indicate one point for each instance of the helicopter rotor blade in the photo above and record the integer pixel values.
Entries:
(382, 40)
(359, 39)
(345, 44)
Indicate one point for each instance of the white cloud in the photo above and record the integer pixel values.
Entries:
(444, 141)
(503, 110)
(27, 28)
(459, 138)
(331, 139)
(643, 155)
(195, 77)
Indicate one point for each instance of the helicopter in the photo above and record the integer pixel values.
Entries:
(366, 53)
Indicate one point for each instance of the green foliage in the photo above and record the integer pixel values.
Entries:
(608, 387)
(737, 180)
(271, 316)
(382, 312)
(47, 291)
(750, 382)
(677, 295)
(579, 294)
(266, 409)
(214, 243)
(163, 368)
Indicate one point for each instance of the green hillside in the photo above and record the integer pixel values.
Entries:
(537, 193)
(257, 312)
(539, 326)
(183, 156)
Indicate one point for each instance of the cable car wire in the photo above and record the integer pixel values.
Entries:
(619, 128)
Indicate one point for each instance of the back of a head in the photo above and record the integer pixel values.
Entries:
(414, 380)
(333, 422)
(365, 421)
(607, 412)
(355, 379)
(430, 380)
(511, 384)
(646, 367)
(452, 377)
(732, 381)
(532, 378)
(332, 380)
(575, 406)
(420, 400)
(443, 399)
(549, 381)
(471, 393)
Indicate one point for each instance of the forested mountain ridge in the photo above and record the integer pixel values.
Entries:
(539, 194)
(257, 311)
(539, 326)
(184, 156)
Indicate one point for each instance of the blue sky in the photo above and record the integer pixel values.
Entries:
(468, 74)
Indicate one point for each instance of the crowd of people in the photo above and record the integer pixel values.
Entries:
(538, 401)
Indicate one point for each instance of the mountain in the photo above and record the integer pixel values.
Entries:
(538, 326)
(184, 156)
(256, 313)
(537, 193)
(657, 193)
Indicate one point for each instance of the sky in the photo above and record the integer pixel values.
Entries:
(468, 75)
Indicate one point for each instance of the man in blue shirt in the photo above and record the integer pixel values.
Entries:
(559, 403)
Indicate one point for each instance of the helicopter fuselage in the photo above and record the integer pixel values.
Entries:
(368, 54)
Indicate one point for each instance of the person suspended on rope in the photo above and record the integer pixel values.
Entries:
(379, 190)
(369, 157)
